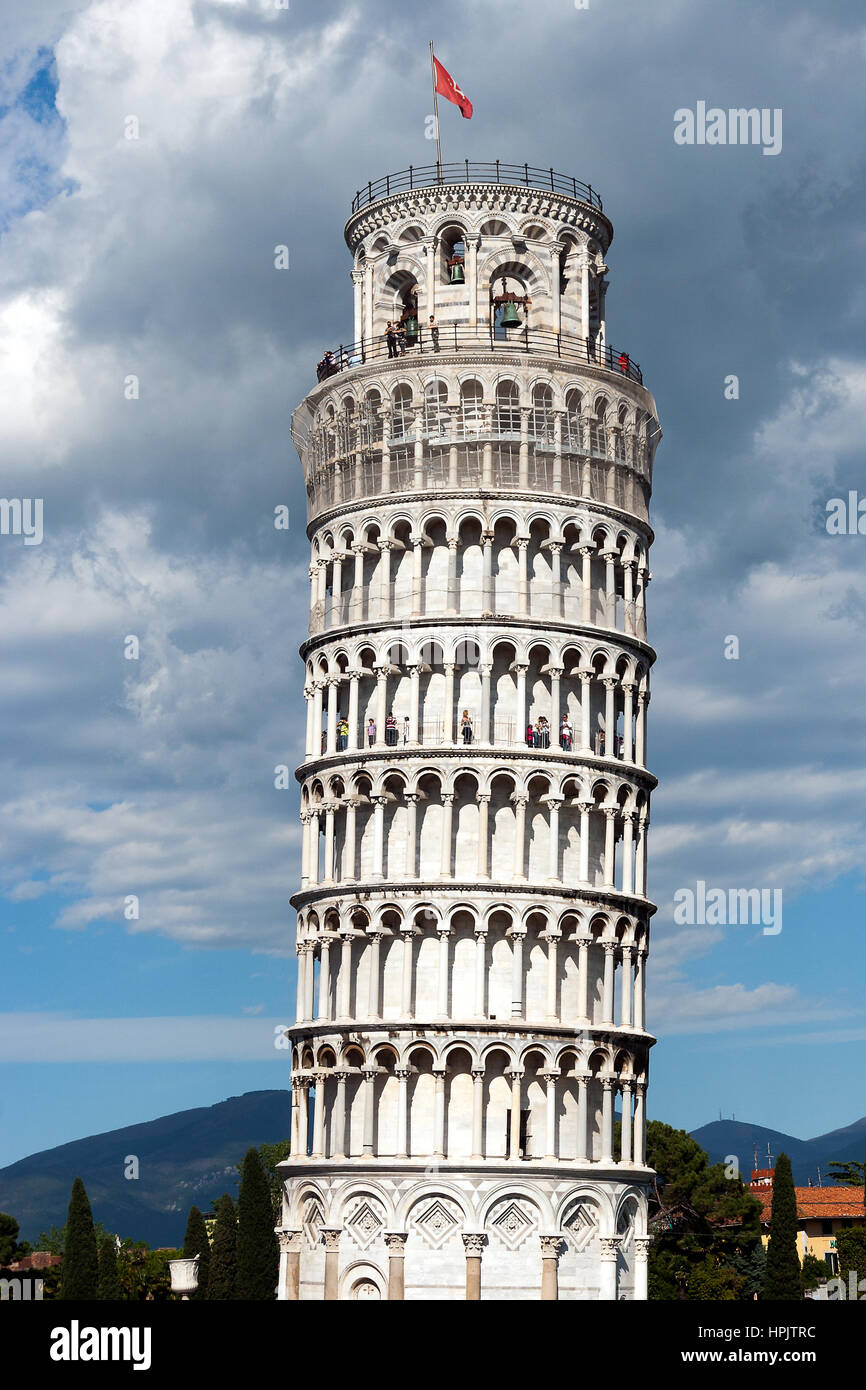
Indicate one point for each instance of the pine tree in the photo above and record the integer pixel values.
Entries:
(782, 1281)
(80, 1277)
(196, 1243)
(109, 1288)
(223, 1255)
(258, 1252)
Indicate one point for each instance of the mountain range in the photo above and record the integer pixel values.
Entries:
(191, 1157)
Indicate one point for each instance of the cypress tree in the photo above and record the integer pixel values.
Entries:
(223, 1255)
(782, 1279)
(258, 1252)
(109, 1288)
(195, 1242)
(80, 1275)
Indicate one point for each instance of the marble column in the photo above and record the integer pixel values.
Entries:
(552, 937)
(445, 862)
(550, 1247)
(290, 1242)
(369, 1108)
(442, 991)
(641, 1267)
(480, 970)
(517, 1000)
(402, 1074)
(477, 1112)
(338, 1144)
(406, 984)
(354, 683)
(439, 1112)
(331, 1240)
(520, 804)
(609, 1249)
(483, 802)
(553, 804)
(395, 1244)
(550, 1080)
(473, 1244)
(514, 1136)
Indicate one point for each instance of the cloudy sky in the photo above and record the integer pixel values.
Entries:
(153, 257)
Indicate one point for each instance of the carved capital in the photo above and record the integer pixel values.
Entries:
(290, 1240)
(609, 1246)
(550, 1247)
(331, 1238)
(395, 1242)
(474, 1242)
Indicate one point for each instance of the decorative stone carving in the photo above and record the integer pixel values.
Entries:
(364, 1221)
(580, 1225)
(436, 1220)
(474, 1242)
(395, 1242)
(513, 1221)
(312, 1220)
(290, 1241)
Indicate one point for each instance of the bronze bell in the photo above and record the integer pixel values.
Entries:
(510, 317)
(412, 327)
(457, 276)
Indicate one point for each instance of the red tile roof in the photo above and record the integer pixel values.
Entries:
(40, 1259)
(817, 1203)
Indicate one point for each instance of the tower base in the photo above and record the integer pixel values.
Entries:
(501, 1231)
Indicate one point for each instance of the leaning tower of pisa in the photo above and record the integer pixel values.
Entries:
(470, 1057)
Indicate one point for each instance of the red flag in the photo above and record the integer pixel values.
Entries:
(447, 87)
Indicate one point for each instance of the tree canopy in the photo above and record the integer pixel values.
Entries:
(704, 1222)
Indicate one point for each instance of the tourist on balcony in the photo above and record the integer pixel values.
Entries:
(405, 728)
(371, 732)
(391, 339)
(530, 736)
(391, 730)
(434, 332)
(466, 727)
(623, 363)
(599, 743)
(401, 337)
(542, 733)
(343, 734)
(565, 734)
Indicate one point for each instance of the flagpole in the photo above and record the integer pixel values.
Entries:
(436, 113)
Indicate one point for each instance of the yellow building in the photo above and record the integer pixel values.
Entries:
(821, 1213)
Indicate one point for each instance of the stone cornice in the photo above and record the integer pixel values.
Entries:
(463, 753)
(599, 634)
(605, 899)
(472, 356)
(370, 1033)
(478, 201)
(426, 497)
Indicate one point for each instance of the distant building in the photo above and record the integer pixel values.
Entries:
(821, 1213)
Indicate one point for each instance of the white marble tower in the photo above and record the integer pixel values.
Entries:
(472, 921)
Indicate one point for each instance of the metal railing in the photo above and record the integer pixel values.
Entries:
(454, 337)
(473, 171)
